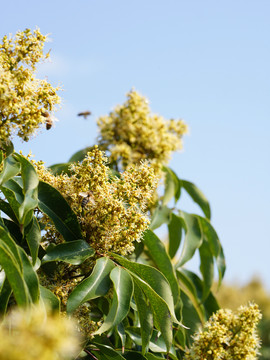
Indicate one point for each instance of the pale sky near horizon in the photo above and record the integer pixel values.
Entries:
(207, 62)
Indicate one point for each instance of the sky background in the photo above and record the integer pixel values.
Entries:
(207, 62)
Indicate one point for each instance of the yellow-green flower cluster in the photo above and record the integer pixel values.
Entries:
(24, 100)
(228, 336)
(33, 334)
(132, 133)
(111, 210)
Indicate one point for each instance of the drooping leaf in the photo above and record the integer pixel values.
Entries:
(14, 230)
(198, 197)
(14, 205)
(96, 285)
(52, 203)
(14, 275)
(122, 334)
(145, 316)
(106, 352)
(206, 268)
(134, 355)
(30, 276)
(175, 228)
(161, 258)
(221, 265)
(33, 238)
(193, 237)
(211, 236)
(162, 215)
(49, 298)
(153, 277)
(5, 293)
(10, 169)
(7, 209)
(123, 291)
(73, 252)
(10, 245)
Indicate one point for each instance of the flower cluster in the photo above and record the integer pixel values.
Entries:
(131, 133)
(228, 336)
(25, 101)
(33, 334)
(111, 210)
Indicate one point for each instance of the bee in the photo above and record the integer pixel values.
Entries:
(49, 120)
(85, 114)
(88, 197)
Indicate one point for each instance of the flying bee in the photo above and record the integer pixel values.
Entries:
(88, 197)
(85, 114)
(49, 120)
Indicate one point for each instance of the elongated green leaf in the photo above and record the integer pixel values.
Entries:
(107, 352)
(160, 257)
(10, 245)
(189, 288)
(33, 238)
(221, 265)
(122, 335)
(206, 268)
(52, 203)
(74, 252)
(5, 293)
(58, 169)
(49, 298)
(150, 356)
(14, 275)
(153, 277)
(211, 236)
(175, 228)
(7, 147)
(193, 238)
(197, 196)
(10, 169)
(162, 215)
(160, 309)
(123, 291)
(7, 209)
(14, 230)
(30, 276)
(145, 316)
(96, 285)
(170, 186)
(134, 355)
(80, 155)
(10, 196)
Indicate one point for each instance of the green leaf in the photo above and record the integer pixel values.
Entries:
(211, 236)
(122, 335)
(188, 287)
(197, 196)
(33, 238)
(7, 209)
(160, 310)
(153, 277)
(134, 355)
(96, 285)
(53, 204)
(10, 245)
(123, 291)
(74, 252)
(151, 356)
(10, 169)
(14, 275)
(170, 186)
(145, 316)
(175, 228)
(193, 238)
(80, 155)
(58, 169)
(162, 215)
(49, 298)
(30, 276)
(221, 265)
(14, 230)
(11, 197)
(159, 255)
(5, 293)
(206, 268)
(107, 352)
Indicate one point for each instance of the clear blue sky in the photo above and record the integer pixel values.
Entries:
(205, 61)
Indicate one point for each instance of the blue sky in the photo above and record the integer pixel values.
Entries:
(204, 61)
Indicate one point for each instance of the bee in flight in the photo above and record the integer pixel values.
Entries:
(88, 197)
(85, 114)
(49, 120)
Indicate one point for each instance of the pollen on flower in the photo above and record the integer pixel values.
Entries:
(34, 334)
(227, 335)
(23, 98)
(131, 133)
